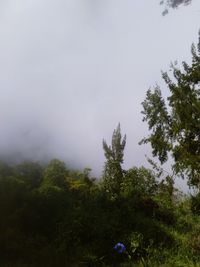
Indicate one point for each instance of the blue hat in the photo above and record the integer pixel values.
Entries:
(120, 248)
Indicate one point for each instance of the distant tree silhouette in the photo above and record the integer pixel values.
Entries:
(173, 4)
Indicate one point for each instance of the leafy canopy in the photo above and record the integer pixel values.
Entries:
(174, 124)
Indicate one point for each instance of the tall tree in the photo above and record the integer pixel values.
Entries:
(113, 172)
(175, 123)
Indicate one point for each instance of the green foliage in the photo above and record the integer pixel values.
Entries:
(29, 172)
(51, 216)
(67, 219)
(139, 181)
(55, 173)
(113, 172)
(175, 126)
(5, 170)
(155, 113)
(195, 203)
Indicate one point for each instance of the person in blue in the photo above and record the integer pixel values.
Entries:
(120, 248)
(119, 254)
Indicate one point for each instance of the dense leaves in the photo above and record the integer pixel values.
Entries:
(174, 124)
(51, 216)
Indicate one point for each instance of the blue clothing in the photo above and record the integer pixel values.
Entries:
(120, 248)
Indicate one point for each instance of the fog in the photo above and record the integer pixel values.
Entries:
(71, 70)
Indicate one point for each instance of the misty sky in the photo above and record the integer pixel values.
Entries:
(70, 70)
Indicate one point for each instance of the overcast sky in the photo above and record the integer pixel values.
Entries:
(70, 70)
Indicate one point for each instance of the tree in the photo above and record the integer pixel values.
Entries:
(5, 170)
(173, 4)
(55, 173)
(139, 182)
(175, 123)
(29, 172)
(113, 172)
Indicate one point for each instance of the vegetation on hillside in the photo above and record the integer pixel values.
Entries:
(54, 216)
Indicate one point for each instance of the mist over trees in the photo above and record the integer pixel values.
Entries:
(53, 215)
